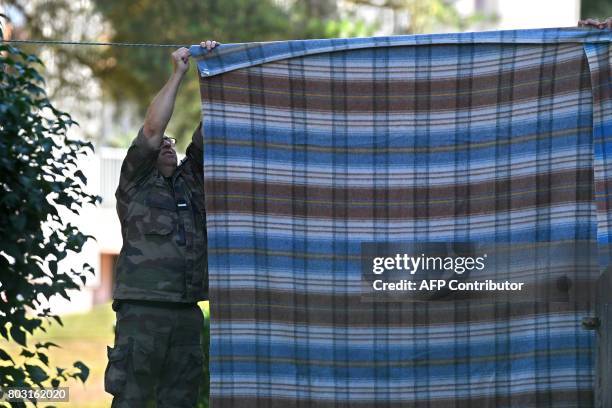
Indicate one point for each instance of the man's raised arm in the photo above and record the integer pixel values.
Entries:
(142, 156)
(161, 108)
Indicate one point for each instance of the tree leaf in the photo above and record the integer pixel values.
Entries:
(84, 371)
(18, 335)
(43, 358)
(37, 374)
(3, 332)
(79, 174)
(58, 319)
(47, 344)
(5, 356)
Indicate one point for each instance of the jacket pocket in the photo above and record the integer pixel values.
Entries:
(161, 216)
(115, 375)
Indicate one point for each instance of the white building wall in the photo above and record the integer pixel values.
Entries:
(511, 14)
(517, 14)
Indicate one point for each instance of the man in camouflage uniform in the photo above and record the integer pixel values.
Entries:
(161, 272)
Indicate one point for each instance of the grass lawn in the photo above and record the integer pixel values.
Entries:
(83, 337)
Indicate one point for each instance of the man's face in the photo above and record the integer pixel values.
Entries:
(166, 159)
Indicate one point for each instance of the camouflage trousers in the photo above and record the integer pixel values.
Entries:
(157, 355)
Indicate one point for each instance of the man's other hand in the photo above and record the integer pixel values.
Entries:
(180, 60)
(593, 22)
(208, 44)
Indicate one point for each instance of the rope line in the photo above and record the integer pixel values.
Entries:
(114, 44)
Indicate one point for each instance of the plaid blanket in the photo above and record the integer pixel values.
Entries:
(314, 147)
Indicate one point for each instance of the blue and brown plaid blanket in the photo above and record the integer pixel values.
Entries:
(315, 147)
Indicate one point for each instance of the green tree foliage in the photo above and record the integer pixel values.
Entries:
(322, 19)
(134, 75)
(57, 20)
(137, 74)
(38, 176)
(596, 9)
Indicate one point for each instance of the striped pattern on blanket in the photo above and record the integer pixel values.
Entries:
(315, 147)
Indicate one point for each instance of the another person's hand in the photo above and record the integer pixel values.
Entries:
(208, 44)
(593, 22)
(180, 60)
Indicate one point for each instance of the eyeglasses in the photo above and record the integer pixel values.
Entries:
(171, 140)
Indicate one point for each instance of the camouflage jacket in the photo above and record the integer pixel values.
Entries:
(163, 256)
